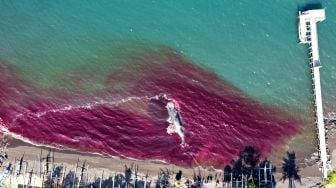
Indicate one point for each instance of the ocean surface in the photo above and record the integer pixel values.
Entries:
(92, 76)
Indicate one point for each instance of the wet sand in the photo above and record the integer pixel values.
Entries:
(97, 163)
(309, 172)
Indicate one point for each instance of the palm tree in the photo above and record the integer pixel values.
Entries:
(178, 178)
(128, 176)
(198, 179)
(289, 170)
(227, 175)
(250, 157)
(178, 175)
(243, 169)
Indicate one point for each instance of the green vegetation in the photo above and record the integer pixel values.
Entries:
(331, 178)
(251, 185)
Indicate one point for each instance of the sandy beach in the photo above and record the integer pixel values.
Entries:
(97, 164)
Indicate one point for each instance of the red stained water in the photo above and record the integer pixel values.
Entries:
(218, 119)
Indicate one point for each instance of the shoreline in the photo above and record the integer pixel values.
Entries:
(99, 164)
(111, 164)
(16, 148)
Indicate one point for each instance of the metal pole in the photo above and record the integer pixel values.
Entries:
(52, 164)
(100, 183)
(242, 179)
(40, 158)
(133, 175)
(265, 174)
(10, 177)
(24, 175)
(74, 178)
(271, 173)
(63, 176)
(113, 181)
(87, 175)
(258, 175)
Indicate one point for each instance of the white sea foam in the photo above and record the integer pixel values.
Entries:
(88, 106)
(4, 130)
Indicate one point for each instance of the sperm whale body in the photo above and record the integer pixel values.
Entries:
(174, 120)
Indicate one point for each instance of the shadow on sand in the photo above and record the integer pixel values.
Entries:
(290, 171)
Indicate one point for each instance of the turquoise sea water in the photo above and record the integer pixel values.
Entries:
(252, 44)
